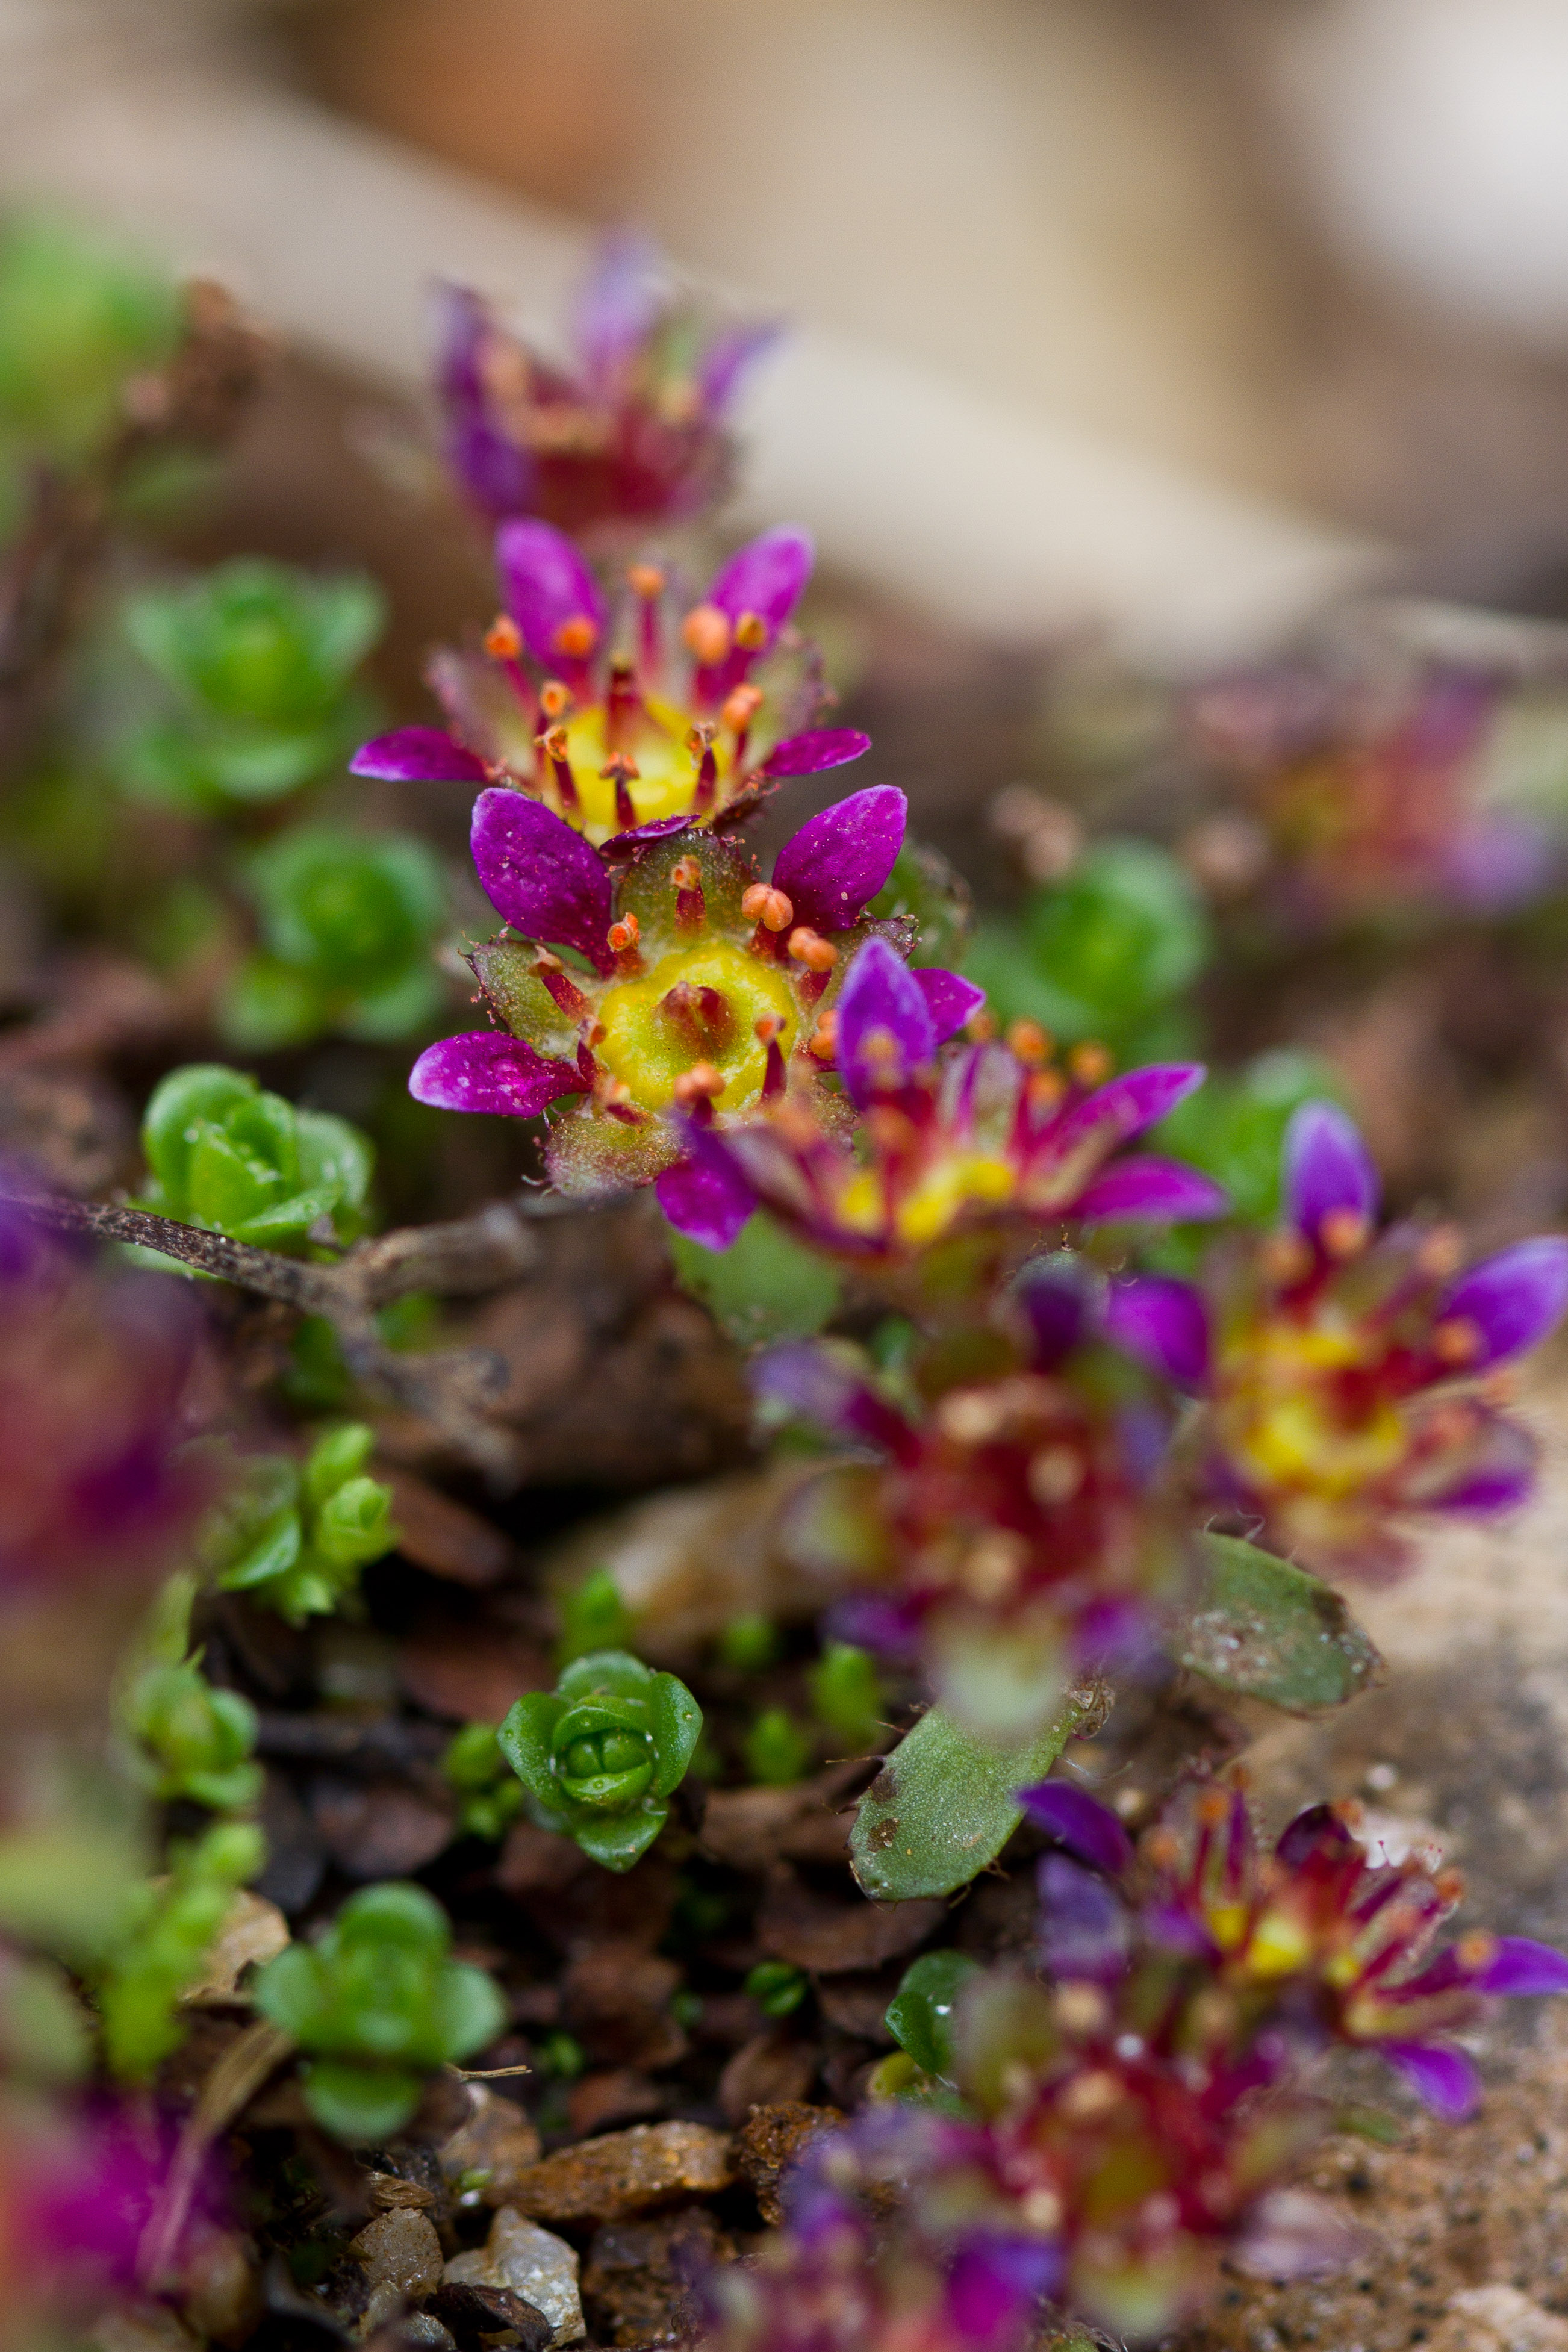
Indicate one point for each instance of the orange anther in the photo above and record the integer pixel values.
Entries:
(552, 742)
(1045, 1089)
(773, 909)
(645, 580)
(686, 874)
(1028, 1042)
(809, 948)
(766, 1027)
(1286, 1257)
(1477, 1950)
(982, 1026)
(1450, 1885)
(1090, 1062)
(544, 962)
(699, 737)
(752, 632)
(620, 768)
(701, 1082)
(1344, 1232)
(1442, 1251)
(624, 934)
(503, 638)
(576, 637)
(824, 1042)
(740, 708)
(879, 1045)
(554, 700)
(1457, 1341)
(705, 633)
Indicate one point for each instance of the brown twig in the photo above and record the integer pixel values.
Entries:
(448, 1388)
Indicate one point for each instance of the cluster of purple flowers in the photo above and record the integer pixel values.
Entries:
(1115, 2124)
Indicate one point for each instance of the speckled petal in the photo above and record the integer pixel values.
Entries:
(1162, 1322)
(486, 1070)
(540, 876)
(840, 859)
(818, 748)
(547, 585)
(1513, 1300)
(418, 755)
(1146, 1188)
(951, 999)
(706, 1197)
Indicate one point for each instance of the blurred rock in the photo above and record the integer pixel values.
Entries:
(638, 2273)
(401, 2257)
(496, 2139)
(771, 2139)
(530, 2262)
(628, 2172)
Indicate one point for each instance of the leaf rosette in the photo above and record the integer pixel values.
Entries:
(602, 1753)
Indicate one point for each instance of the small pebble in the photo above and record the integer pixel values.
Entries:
(496, 2139)
(534, 2264)
(401, 2257)
(627, 2172)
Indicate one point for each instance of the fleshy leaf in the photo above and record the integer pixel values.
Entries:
(945, 1803)
(764, 1286)
(919, 2015)
(1270, 1631)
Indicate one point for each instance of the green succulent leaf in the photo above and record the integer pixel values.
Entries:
(1270, 1631)
(600, 1753)
(359, 2104)
(615, 1841)
(920, 2015)
(766, 1286)
(944, 1804)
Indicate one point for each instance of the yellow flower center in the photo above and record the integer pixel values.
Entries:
(1283, 1411)
(666, 771)
(701, 1004)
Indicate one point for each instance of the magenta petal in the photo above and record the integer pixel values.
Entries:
(489, 1071)
(951, 999)
(818, 748)
(1080, 1822)
(1085, 1930)
(840, 859)
(1164, 1192)
(418, 755)
(994, 2287)
(1514, 1299)
(767, 577)
(1519, 1965)
(821, 1384)
(617, 305)
(547, 584)
(1441, 2078)
(727, 360)
(540, 876)
(1161, 1322)
(1141, 1099)
(885, 1033)
(1493, 1473)
(1327, 1167)
(705, 1198)
(623, 846)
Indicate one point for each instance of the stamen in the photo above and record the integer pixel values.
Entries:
(705, 633)
(770, 1028)
(751, 631)
(773, 909)
(982, 1026)
(575, 637)
(823, 1043)
(554, 699)
(1442, 1251)
(700, 743)
(1028, 1043)
(552, 743)
(1287, 1258)
(646, 583)
(690, 905)
(1343, 1232)
(701, 1083)
(1044, 1089)
(1055, 1475)
(809, 948)
(623, 707)
(1457, 1341)
(619, 769)
(503, 639)
(624, 934)
(739, 710)
(1090, 1062)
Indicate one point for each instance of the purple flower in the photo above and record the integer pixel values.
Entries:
(1342, 1364)
(708, 991)
(986, 1141)
(637, 715)
(635, 433)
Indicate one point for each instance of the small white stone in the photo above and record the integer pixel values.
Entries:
(535, 2264)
